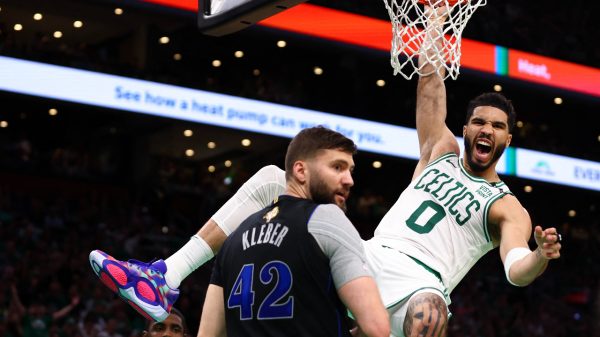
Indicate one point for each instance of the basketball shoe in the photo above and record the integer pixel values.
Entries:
(141, 285)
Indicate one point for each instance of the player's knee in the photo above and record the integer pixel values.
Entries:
(270, 172)
(426, 316)
(269, 175)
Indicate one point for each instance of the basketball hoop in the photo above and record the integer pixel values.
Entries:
(412, 31)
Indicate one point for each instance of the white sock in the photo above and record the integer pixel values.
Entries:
(187, 259)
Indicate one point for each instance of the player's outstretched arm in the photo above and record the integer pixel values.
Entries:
(362, 298)
(521, 265)
(212, 323)
(435, 138)
(525, 270)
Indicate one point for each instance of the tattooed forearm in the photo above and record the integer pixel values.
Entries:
(426, 316)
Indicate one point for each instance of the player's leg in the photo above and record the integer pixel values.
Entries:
(426, 316)
(151, 288)
(413, 293)
(256, 193)
(424, 313)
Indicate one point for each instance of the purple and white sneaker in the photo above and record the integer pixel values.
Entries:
(141, 285)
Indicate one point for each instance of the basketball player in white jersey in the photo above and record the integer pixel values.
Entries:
(454, 211)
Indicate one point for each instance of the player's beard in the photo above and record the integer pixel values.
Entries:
(321, 193)
(476, 167)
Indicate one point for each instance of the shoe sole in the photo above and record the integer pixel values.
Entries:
(136, 293)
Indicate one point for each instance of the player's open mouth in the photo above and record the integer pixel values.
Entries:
(483, 148)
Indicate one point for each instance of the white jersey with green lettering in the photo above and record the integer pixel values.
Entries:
(441, 219)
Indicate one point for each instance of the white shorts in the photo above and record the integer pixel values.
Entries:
(399, 278)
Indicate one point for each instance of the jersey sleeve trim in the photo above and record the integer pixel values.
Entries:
(442, 157)
(486, 211)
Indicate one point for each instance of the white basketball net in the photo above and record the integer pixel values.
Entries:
(411, 37)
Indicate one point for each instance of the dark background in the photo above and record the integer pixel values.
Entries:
(91, 178)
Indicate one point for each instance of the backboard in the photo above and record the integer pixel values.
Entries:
(222, 17)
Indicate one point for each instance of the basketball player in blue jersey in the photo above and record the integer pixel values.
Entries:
(453, 212)
(292, 268)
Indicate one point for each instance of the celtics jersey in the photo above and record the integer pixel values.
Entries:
(441, 219)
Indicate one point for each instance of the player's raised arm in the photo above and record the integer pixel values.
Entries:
(435, 138)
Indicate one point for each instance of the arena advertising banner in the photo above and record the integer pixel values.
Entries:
(554, 168)
(121, 93)
(169, 101)
(187, 5)
(551, 72)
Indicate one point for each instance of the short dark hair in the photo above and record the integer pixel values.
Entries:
(495, 100)
(176, 312)
(310, 141)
